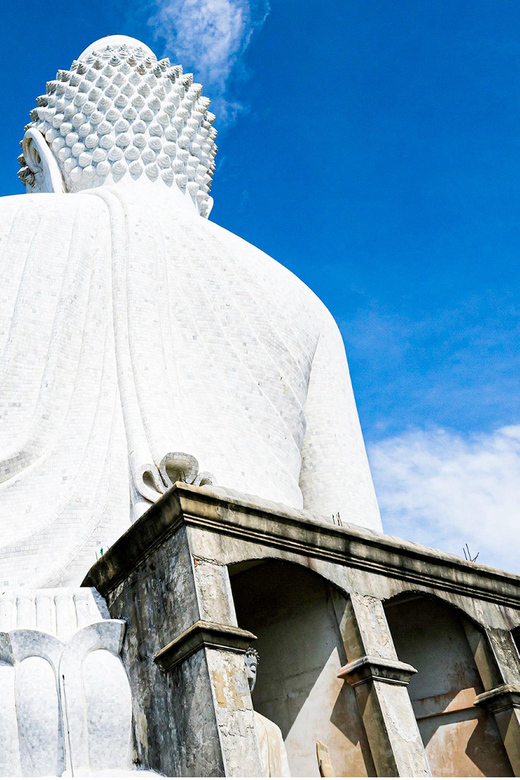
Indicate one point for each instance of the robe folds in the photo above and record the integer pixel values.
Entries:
(132, 332)
(272, 748)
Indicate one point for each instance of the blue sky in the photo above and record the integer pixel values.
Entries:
(374, 149)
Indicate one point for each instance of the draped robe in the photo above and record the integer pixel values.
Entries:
(131, 329)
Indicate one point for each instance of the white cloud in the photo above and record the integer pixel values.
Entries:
(209, 38)
(445, 490)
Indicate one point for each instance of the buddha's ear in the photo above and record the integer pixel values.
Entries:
(41, 161)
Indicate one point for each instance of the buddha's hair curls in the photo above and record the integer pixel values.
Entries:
(122, 112)
(252, 652)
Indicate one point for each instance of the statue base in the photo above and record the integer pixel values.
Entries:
(374, 652)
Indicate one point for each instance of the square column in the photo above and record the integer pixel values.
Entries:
(503, 699)
(183, 652)
(379, 680)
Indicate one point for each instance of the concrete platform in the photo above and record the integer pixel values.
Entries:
(400, 658)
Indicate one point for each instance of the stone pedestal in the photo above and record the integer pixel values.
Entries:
(169, 578)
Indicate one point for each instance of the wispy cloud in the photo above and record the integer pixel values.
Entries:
(445, 490)
(209, 37)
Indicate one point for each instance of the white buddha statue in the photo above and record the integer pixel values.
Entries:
(142, 343)
(270, 740)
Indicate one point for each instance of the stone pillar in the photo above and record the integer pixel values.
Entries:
(500, 667)
(379, 680)
(183, 652)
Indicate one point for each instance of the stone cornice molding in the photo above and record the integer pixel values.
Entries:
(369, 668)
(201, 634)
(503, 697)
(297, 532)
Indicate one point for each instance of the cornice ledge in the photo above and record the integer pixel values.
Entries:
(201, 634)
(503, 697)
(298, 532)
(370, 667)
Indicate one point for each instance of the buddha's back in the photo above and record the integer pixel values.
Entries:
(143, 343)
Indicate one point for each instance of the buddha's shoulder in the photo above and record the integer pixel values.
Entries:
(51, 205)
(264, 265)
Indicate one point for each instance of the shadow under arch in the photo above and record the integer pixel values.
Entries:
(409, 594)
(443, 642)
(296, 614)
(314, 565)
(515, 633)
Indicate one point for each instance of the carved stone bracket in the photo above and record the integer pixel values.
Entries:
(369, 668)
(152, 480)
(203, 633)
(504, 697)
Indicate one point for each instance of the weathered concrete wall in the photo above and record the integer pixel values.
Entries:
(186, 717)
(157, 602)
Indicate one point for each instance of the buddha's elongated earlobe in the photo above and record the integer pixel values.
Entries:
(44, 174)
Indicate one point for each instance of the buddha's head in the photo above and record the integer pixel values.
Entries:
(118, 116)
(252, 660)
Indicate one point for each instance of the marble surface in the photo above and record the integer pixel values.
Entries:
(143, 344)
(118, 115)
(66, 702)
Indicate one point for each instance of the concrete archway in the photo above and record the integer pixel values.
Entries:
(460, 739)
(295, 614)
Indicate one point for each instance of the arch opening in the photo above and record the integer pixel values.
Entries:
(296, 616)
(460, 739)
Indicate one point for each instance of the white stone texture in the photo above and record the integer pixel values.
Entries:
(63, 463)
(66, 704)
(119, 114)
(60, 612)
(143, 344)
